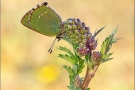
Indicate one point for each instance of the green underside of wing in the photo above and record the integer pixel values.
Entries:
(43, 20)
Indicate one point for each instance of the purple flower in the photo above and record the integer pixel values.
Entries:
(91, 43)
(95, 57)
(82, 50)
(79, 33)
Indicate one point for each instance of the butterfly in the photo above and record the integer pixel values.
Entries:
(44, 20)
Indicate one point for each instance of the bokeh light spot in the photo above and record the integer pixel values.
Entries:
(48, 73)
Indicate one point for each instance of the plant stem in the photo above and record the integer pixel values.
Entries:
(89, 75)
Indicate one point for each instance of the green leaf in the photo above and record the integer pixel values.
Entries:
(68, 58)
(75, 68)
(66, 50)
(88, 61)
(87, 57)
(73, 88)
(106, 46)
(81, 66)
(96, 32)
(115, 40)
(72, 79)
(89, 64)
(107, 55)
(107, 43)
(68, 68)
(104, 60)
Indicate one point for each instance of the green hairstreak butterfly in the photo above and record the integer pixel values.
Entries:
(43, 19)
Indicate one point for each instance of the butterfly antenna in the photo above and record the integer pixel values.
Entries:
(51, 48)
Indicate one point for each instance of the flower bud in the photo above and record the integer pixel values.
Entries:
(75, 21)
(70, 27)
(70, 32)
(91, 43)
(87, 29)
(70, 21)
(89, 35)
(78, 20)
(83, 24)
(76, 42)
(82, 31)
(73, 36)
(73, 40)
(83, 36)
(95, 57)
(84, 41)
(79, 25)
(77, 32)
(78, 81)
(82, 50)
(74, 27)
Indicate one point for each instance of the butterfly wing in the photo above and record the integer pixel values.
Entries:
(42, 19)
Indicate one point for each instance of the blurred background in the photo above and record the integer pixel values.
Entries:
(27, 65)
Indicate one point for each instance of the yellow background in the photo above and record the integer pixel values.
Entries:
(26, 64)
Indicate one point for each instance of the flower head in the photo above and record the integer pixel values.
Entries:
(78, 33)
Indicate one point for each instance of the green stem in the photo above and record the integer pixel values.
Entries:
(89, 75)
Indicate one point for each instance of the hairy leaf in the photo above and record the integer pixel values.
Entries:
(68, 58)
(96, 32)
(68, 68)
(66, 50)
(106, 46)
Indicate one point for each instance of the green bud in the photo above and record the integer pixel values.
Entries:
(77, 37)
(76, 42)
(77, 32)
(70, 32)
(84, 41)
(70, 27)
(81, 45)
(83, 28)
(87, 29)
(73, 36)
(70, 21)
(89, 35)
(80, 40)
(65, 26)
(75, 21)
(80, 25)
(83, 36)
(82, 31)
(73, 40)
(74, 27)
